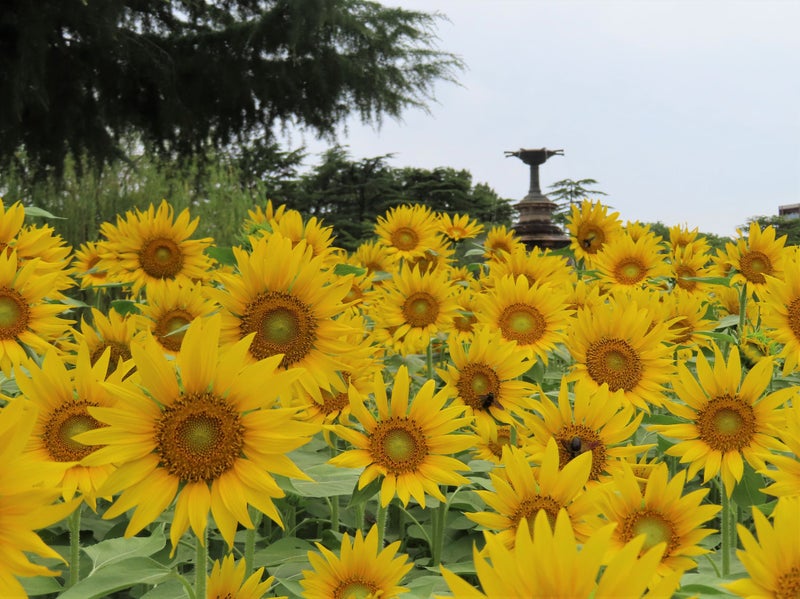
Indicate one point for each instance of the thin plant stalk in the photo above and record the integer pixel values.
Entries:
(728, 518)
(438, 520)
(74, 524)
(429, 360)
(380, 522)
(200, 565)
(250, 542)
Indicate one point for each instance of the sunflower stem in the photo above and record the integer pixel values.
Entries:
(726, 531)
(201, 558)
(437, 534)
(380, 522)
(250, 543)
(742, 311)
(429, 361)
(335, 499)
(74, 524)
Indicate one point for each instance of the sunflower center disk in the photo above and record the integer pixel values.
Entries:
(682, 329)
(575, 439)
(522, 323)
(282, 324)
(530, 506)
(754, 265)
(654, 526)
(354, 589)
(630, 272)
(420, 309)
(65, 422)
(788, 584)
(13, 313)
(477, 381)
(398, 445)
(615, 362)
(199, 437)
(793, 317)
(726, 424)
(170, 329)
(682, 274)
(405, 239)
(161, 258)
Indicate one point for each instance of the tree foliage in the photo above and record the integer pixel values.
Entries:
(783, 225)
(567, 192)
(78, 77)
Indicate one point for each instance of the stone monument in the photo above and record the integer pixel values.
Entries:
(536, 227)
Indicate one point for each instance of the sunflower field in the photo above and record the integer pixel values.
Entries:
(440, 413)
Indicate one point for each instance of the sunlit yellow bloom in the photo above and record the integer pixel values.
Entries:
(63, 398)
(438, 256)
(317, 236)
(756, 257)
(27, 492)
(686, 313)
(113, 332)
(781, 313)
(85, 262)
(501, 242)
(681, 237)
(408, 444)
(595, 421)
(521, 491)
(463, 325)
(620, 346)
(283, 294)
(408, 231)
(637, 230)
(590, 227)
(690, 262)
(537, 266)
(623, 261)
(785, 467)
(485, 377)
(151, 246)
(258, 217)
(727, 418)
(585, 294)
(492, 437)
(362, 569)
(535, 316)
(458, 226)
(548, 562)
(227, 581)
(662, 513)
(376, 257)
(26, 319)
(414, 306)
(772, 557)
(198, 429)
(169, 309)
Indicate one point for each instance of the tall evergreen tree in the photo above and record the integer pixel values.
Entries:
(78, 76)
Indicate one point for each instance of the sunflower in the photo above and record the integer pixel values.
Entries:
(408, 445)
(438, 256)
(686, 312)
(27, 491)
(785, 471)
(362, 569)
(625, 262)
(537, 266)
(376, 258)
(26, 319)
(522, 491)
(485, 377)
(169, 309)
(727, 419)
(407, 231)
(618, 345)
(501, 242)
(637, 230)
(687, 264)
(755, 258)
(781, 314)
(585, 294)
(492, 437)
(198, 429)
(458, 226)
(153, 246)
(662, 513)
(590, 227)
(463, 325)
(415, 306)
(681, 237)
(258, 218)
(114, 332)
(773, 559)
(595, 421)
(283, 295)
(316, 235)
(535, 316)
(548, 562)
(227, 581)
(85, 260)
(63, 398)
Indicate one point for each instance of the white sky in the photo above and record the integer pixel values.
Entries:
(683, 111)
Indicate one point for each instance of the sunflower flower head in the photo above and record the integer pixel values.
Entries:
(362, 569)
(458, 226)
(227, 581)
(195, 429)
(590, 227)
(727, 419)
(407, 231)
(755, 257)
(780, 301)
(407, 443)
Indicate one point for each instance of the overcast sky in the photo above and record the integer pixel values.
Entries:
(683, 111)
